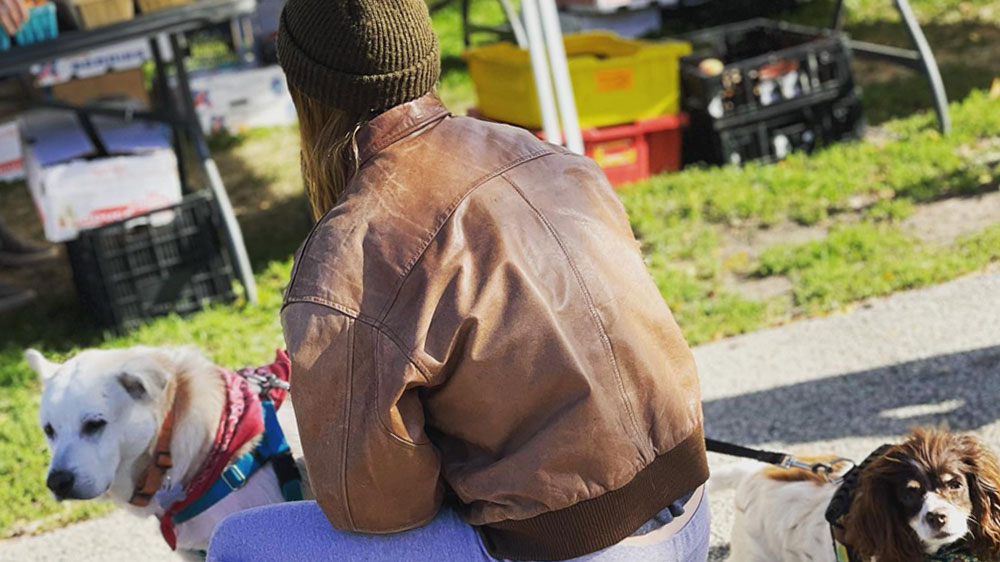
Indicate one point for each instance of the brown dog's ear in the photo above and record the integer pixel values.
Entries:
(874, 528)
(983, 477)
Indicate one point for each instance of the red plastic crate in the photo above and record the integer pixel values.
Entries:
(633, 152)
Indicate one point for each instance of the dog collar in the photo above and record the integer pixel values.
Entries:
(952, 555)
(152, 476)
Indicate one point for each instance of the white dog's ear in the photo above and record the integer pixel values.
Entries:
(144, 384)
(42, 366)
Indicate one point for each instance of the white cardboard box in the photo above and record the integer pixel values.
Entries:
(239, 99)
(11, 164)
(83, 194)
(73, 193)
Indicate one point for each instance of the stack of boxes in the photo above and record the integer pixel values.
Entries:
(140, 244)
(627, 96)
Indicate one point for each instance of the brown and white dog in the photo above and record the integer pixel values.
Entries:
(930, 492)
(102, 412)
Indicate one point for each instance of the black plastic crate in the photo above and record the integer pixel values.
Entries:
(166, 261)
(768, 65)
(802, 129)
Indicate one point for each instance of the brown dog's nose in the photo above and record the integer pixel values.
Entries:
(60, 482)
(936, 520)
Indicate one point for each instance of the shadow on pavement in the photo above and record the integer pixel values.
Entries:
(960, 390)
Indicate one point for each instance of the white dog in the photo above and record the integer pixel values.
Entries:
(104, 412)
(935, 493)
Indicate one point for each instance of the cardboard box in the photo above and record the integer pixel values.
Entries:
(124, 56)
(11, 164)
(240, 99)
(128, 84)
(73, 193)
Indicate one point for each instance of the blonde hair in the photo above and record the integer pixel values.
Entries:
(329, 153)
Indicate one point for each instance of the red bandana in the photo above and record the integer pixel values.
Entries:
(241, 421)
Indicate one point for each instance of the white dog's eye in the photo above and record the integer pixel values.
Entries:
(91, 427)
(49, 431)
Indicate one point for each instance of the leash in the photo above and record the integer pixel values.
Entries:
(836, 512)
(781, 460)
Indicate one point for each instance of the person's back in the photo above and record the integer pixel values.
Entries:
(501, 320)
(471, 326)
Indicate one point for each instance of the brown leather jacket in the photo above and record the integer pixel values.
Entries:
(474, 320)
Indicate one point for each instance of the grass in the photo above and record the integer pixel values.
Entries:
(870, 260)
(860, 192)
(681, 219)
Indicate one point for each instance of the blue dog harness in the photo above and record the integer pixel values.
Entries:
(273, 448)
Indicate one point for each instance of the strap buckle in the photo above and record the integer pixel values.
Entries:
(164, 459)
(265, 380)
(234, 477)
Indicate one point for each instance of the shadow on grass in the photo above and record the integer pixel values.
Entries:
(958, 389)
(275, 232)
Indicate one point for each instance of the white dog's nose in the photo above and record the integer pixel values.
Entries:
(61, 483)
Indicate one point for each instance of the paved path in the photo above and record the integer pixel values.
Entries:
(843, 384)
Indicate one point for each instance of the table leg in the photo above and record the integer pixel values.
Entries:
(162, 88)
(930, 66)
(234, 236)
(838, 15)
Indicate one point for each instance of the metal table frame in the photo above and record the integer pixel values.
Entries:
(182, 118)
(543, 38)
(921, 60)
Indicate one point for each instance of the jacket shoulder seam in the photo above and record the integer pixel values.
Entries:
(446, 216)
(592, 309)
(326, 303)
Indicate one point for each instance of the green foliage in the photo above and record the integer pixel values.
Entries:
(891, 210)
(867, 260)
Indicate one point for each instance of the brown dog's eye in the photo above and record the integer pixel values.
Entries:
(49, 431)
(955, 484)
(93, 426)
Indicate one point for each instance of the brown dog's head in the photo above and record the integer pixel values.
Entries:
(933, 490)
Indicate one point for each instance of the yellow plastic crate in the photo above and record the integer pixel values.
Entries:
(147, 6)
(97, 13)
(615, 80)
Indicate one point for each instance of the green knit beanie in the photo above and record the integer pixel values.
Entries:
(361, 56)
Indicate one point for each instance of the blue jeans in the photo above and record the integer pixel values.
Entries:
(299, 531)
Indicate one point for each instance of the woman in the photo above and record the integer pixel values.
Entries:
(483, 368)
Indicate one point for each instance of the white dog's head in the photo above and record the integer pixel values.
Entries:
(100, 412)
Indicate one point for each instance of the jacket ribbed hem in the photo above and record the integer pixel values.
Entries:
(606, 520)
